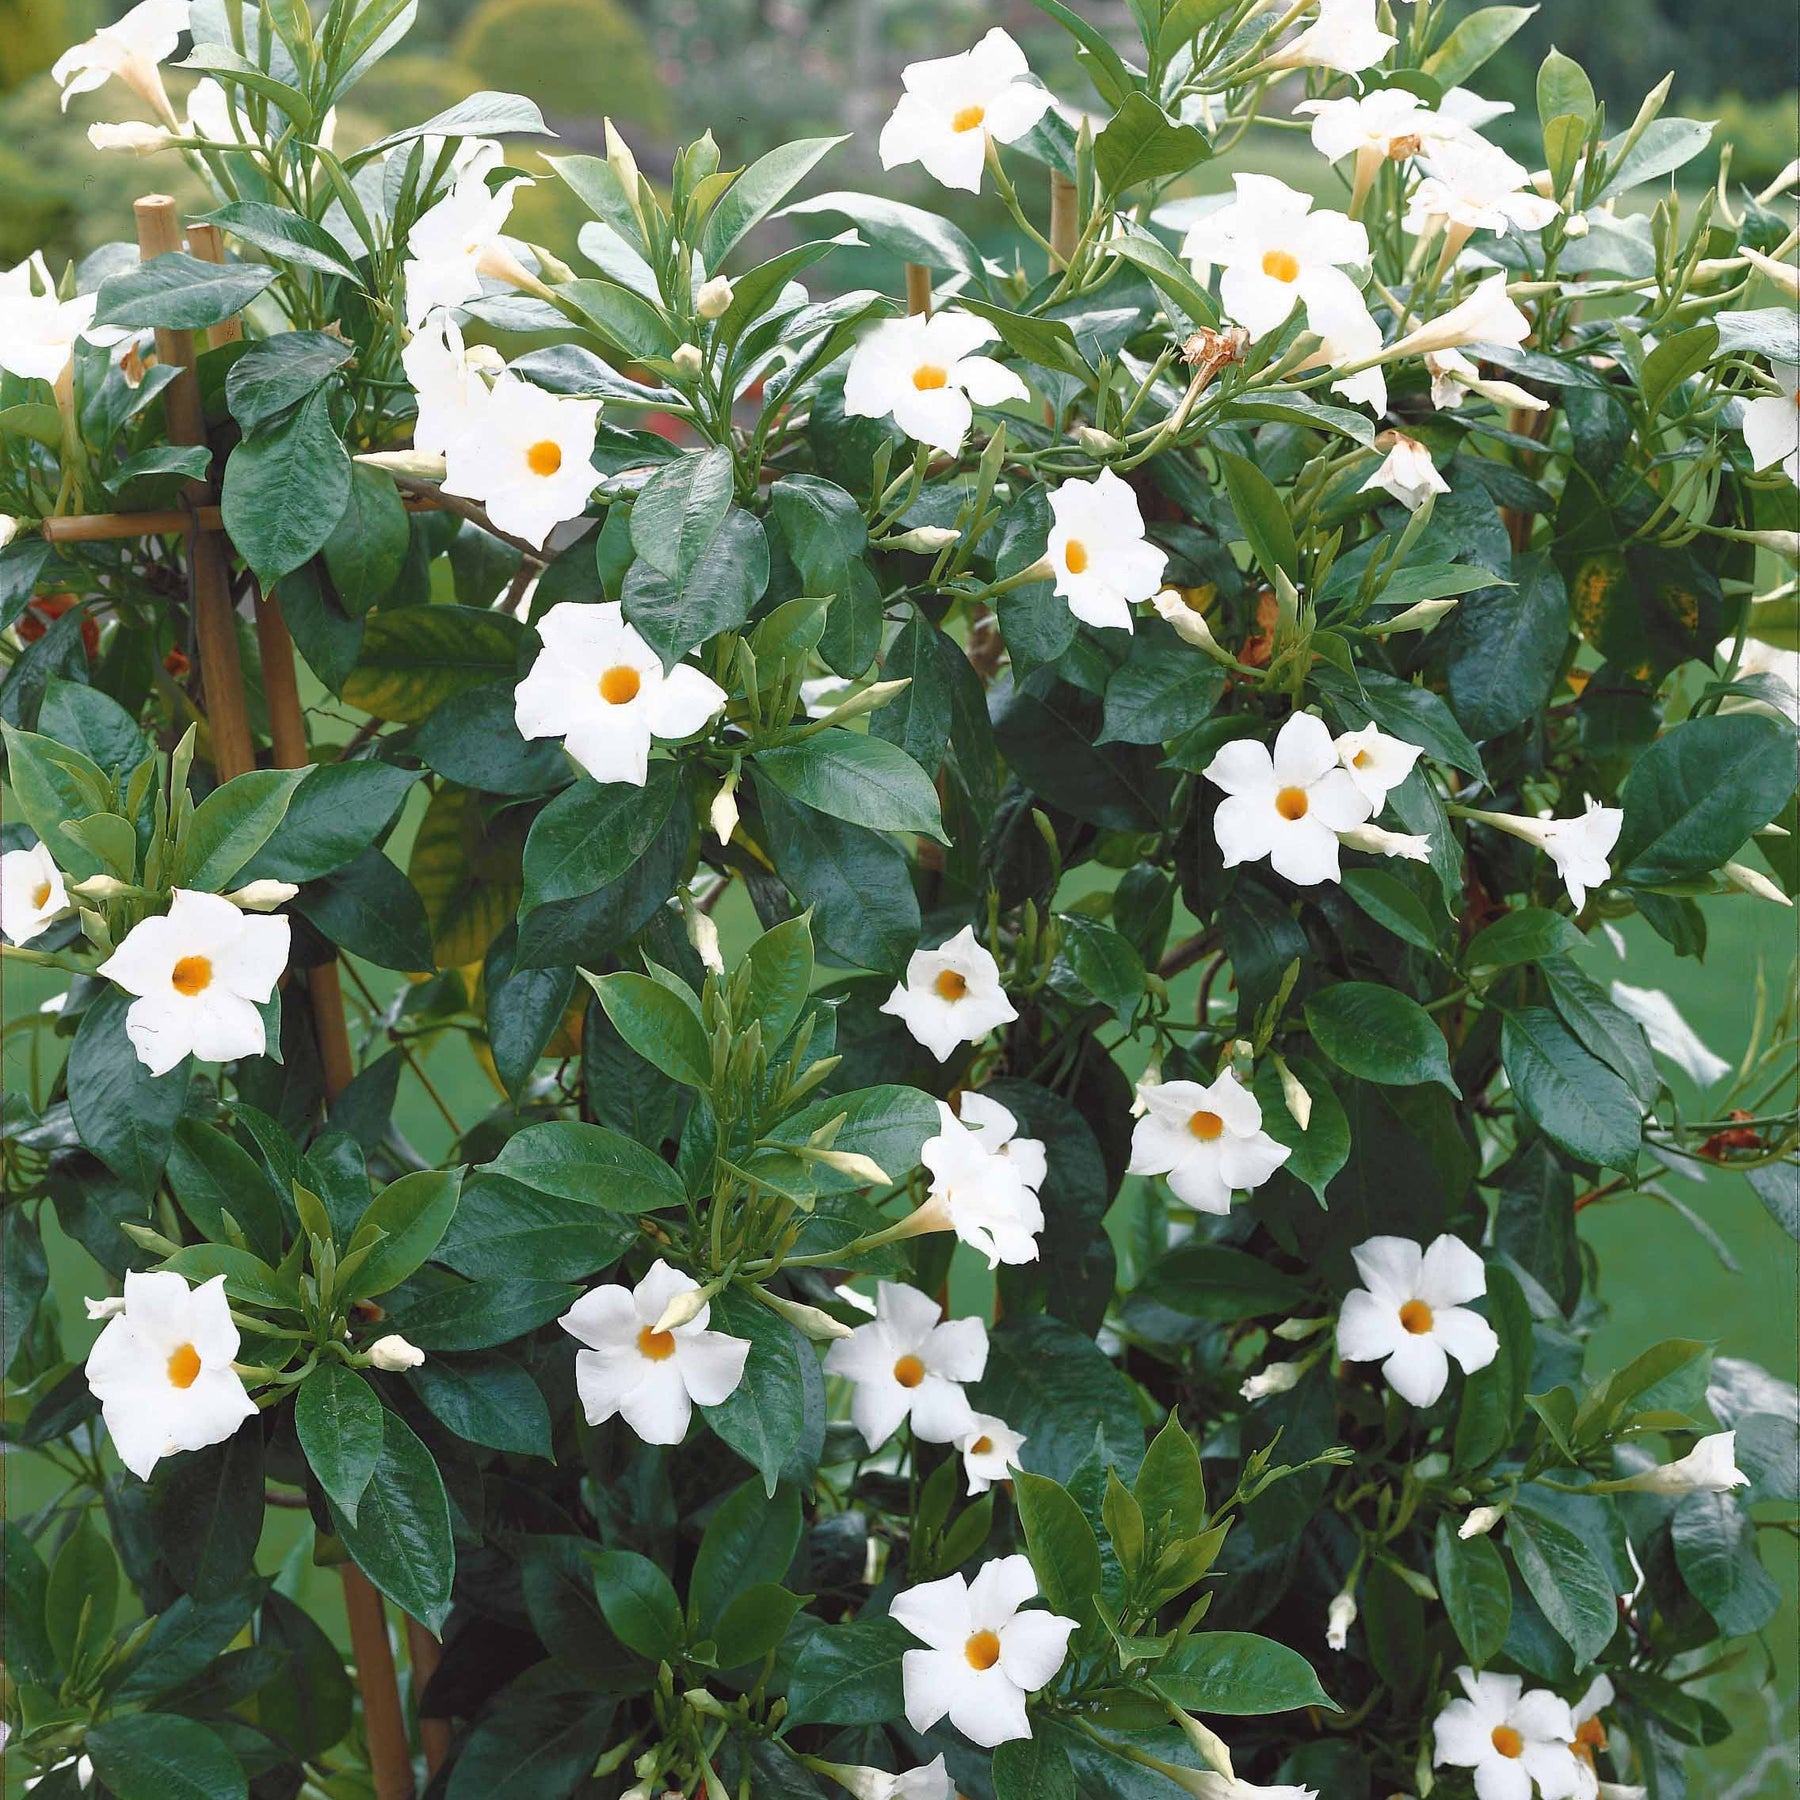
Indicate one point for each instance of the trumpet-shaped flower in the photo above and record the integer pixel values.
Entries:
(1409, 1315)
(1407, 473)
(134, 137)
(161, 1370)
(983, 1653)
(1277, 252)
(1471, 185)
(599, 687)
(985, 1179)
(924, 374)
(906, 1365)
(990, 1452)
(527, 455)
(1454, 378)
(1669, 1033)
(1288, 805)
(446, 385)
(929, 1782)
(132, 48)
(1376, 762)
(954, 104)
(32, 893)
(38, 332)
(456, 242)
(1411, 846)
(1579, 847)
(1512, 1738)
(1771, 424)
(1487, 316)
(951, 995)
(1104, 563)
(1709, 1468)
(650, 1375)
(1208, 1784)
(1758, 658)
(1344, 37)
(200, 973)
(1207, 1138)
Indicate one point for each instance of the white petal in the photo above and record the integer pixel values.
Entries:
(712, 1365)
(1390, 1268)
(657, 1408)
(1368, 1328)
(1418, 1370)
(1033, 1646)
(1450, 1273)
(1466, 1335)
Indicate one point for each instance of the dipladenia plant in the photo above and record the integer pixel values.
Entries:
(1083, 1296)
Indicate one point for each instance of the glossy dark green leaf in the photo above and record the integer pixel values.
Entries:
(338, 1421)
(591, 833)
(1473, 1584)
(1566, 1580)
(1064, 1551)
(863, 780)
(639, 1604)
(850, 1674)
(401, 1535)
(179, 292)
(750, 1540)
(336, 812)
(776, 1418)
(1572, 1096)
(1238, 1674)
(590, 1164)
(125, 1115)
(159, 1756)
(285, 486)
(1378, 1034)
(280, 372)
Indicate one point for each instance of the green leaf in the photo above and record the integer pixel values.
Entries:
(371, 910)
(1715, 1549)
(1262, 516)
(907, 232)
(336, 812)
(1049, 343)
(1033, 1768)
(639, 1604)
(178, 292)
(413, 1213)
(124, 1114)
(1673, 360)
(1472, 1582)
(1064, 1551)
(1528, 935)
(158, 1756)
(1323, 1148)
(1474, 40)
(1504, 648)
(1142, 143)
(1378, 1034)
(849, 1674)
(588, 1163)
(400, 1537)
(1574, 1098)
(504, 1229)
(1238, 1674)
(749, 1541)
(26, 1581)
(725, 581)
(754, 1623)
(541, 1737)
(83, 1592)
(1220, 1286)
(53, 782)
(662, 1026)
(781, 971)
(1104, 963)
(280, 372)
(486, 1398)
(1566, 1580)
(188, 1637)
(591, 833)
(24, 1276)
(757, 191)
(285, 486)
(287, 237)
(863, 780)
(1170, 1484)
(414, 658)
(1105, 68)
(1159, 692)
(776, 1419)
(1563, 88)
(478, 1315)
(232, 823)
(94, 723)
(368, 547)
(1392, 905)
(680, 510)
(486, 114)
(1053, 1383)
(338, 1421)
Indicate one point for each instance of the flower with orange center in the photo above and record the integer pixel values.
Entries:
(951, 995)
(162, 1370)
(1104, 562)
(132, 48)
(924, 374)
(526, 454)
(990, 1452)
(451, 241)
(1206, 1138)
(1375, 762)
(652, 1376)
(32, 894)
(202, 974)
(985, 1180)
(953, 105)
(1409, 1314)
(1514, 1740)
(908, 1364)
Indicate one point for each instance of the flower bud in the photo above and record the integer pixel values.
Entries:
(682, 1309)
(484, 358)
(863, 1169)
(1297, 1099)
(1098, 443)
(109, 1308)
(1481, 1520)
(703, 934)
(393, 1353)
(1297, 1331)
(1575, 225)
(1378, 842)
(1277, 1378)
(714, 298)
(134, 137)
(688, 360)
(1339, 1617)
(1208, 1745)
(1709, 1468)
(810, 1321)
(9, 529)
(100, 887)
(928, 539)
(1190, 624)
(1753, 881)
(1784, 275)
(405, 462)
(723, 813)
(262, 896)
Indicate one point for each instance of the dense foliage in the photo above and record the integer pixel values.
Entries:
(1086, 1297)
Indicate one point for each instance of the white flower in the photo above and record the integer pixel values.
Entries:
(1709, 1468)
(1275, 250)
(650, 1377)
(986, 1179)
(1376, 762)
(1510, 1738)
(1771, 424)
(954, 104)
(990, 1452)
(161, 1370)
(1487, 316)
(100, 1310)
(83, 1766)
(457, 242)
(1590, 1729)
(1481, 1520)
(983, 1654)
(38, 331)
(212, 115)
(134, 137)
(599, 687)
(527, 455)
(931, 1782)
(393, 1353)
(1104, 564)
(1579, 847)
(1409, 1315)
(1339, 1617)
(1344, 37)
(1474, 186)
(32, 894)
(951, 995)
(905, 1365)
(1408, 473)
(1277, 1378)
(1467, 111)
(1390, 122)
(1205, 1784)
(9, 528)
(447, 388)
(131, 48)
(924, 373)
(1413, 846)
(1288, 806)
(1207, 1138)
(1454, 378)
(1765, 659)
(1348, 339)
(200, 972)
(712, 300)
(1670, 1033)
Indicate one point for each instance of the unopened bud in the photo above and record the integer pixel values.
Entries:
(810, 1321)
(1190, 624)
(723, 813)
(864, 1170)
(1294, 1095)
(1379, 842)
(484, 358)
(1208, 1745)
(703, 934)
(682, 1309)
(703, 1702)
(415, 463)
(1277, 1378)
(1420, 616)
(262, 896)
(1481, 1520)
(100, 887)
(9, 529)
(1098, 443)
(109, 1308)
(688, 360)
(1575, 225)
(714, 298)
(134, 137)
(928, 539)
(393, 1353)
(1753, 881)
(1297, 1331)
(1339, 1617)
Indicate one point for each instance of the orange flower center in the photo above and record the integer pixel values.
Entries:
(544, 457)
(969, 118)
(981, 1446)
(1590, 1735)
(1281, 265)
(982, 1650)
(1291, 803)
(1361, 760)
(909, 1371)
(620, 684)
(1507, 1741)
(191, 976)
(1415, 1315)
(184, 1366)
(658, 1346)
(40, 895)
(1075, 556)
(928, 376)
(1206, 1126)
(950, 985)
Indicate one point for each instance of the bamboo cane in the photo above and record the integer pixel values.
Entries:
(93, 528)
(1063, 230)
(918, 290)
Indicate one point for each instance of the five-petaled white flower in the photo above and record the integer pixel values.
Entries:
(31, 893)
(1409, 1315)
(38, 332)
(526, 454)
(1709, 1468)
(1407, 472)
(1771, 424)
(458, 241)
(1289, 805)
(990, 1452)
(985, 1180)
(983, 1654)
(447, 386)
(1384, 125)
(907, 1365)
(1104, 563)
(1207, 1138)
(161, 1370)
(1471, 185)
(1376, 762)
(131, 48)
(200, 972)
(1511, 1737)
(1487, 316)
(1579, 847)
(1276, 251)
(1344, 37)
(954, 104)
(652, 1378)
(951, 995)
(924, 373)
(599, 687)
(1669, 1033)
